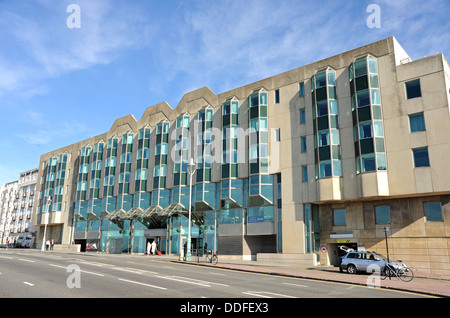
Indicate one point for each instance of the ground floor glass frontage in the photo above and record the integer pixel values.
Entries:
(128, 223)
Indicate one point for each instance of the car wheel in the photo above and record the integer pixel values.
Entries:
(351, 269)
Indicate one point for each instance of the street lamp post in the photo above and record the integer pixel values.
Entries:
(386, 229)
(49, 202)
(191, 171)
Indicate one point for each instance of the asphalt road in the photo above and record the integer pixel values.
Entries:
(33, 274)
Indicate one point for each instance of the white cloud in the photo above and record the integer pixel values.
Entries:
(235, 42)
(51, 49)
(60, 132)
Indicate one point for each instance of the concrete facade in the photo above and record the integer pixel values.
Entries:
(358, 151)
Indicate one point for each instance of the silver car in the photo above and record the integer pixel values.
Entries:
(362, 261)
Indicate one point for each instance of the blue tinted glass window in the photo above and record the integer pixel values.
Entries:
(324, 138)
(234, 107)
(333, 107)
(304, 173)
(303, 141)
(360, 68)
(302, 116)
(263, 99)
(373, 66)
(322, 109)
(302, 89)
(363, 98)
(339, 217)
(325, 169)
(382, 214)
(321, 80)
(417, 122)
(331, 78)
(368, 163)
(337, 168)
(365, 130)
(421, 158)
(433, 211)
(376, 99)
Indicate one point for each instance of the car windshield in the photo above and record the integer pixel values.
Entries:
(380, 256)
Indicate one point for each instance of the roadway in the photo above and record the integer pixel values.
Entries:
(31, 274)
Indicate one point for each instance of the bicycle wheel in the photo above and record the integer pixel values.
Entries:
(405, 274)
(387, 272)
(384, 273)
(214, 259)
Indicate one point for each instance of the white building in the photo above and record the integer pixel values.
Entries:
(16, 206)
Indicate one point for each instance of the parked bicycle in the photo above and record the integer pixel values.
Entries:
(401, 271)
(211, 257)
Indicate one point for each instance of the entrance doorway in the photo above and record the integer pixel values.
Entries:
(82, 245)
(160, 244)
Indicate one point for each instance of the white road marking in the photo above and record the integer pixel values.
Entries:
(128, 270)
(191, 281)
(183, 280)
(298, 285)
(264, 294)
(26, 260)
(140, 270)
(29, 284)
(139, 283)
(86, 272)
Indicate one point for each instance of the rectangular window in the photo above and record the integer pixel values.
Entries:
(382, 214)
(278, 134)
(337, 168)
(433, 211)
(417, 122)
(303, 141)
(335, 140)
(365, 130)
(277, 96)
(302, 89)
(376, 99)
(339, 217)
(321, 80)
(304, 173)
(363, 98)
(413, 89)
(324, 138)
(333, 107)
(421, 158)
(325, 169)
(322, 109)
(378, 128)
(302, 116)
(368, 163)
(360, 68)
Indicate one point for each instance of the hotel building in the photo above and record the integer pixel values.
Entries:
(288, 169)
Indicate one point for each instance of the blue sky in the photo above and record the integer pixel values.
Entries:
(60, 85)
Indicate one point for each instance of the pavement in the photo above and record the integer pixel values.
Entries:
(423, 283)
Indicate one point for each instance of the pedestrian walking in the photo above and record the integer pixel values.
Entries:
(52, 242)
(153, 248)
(47, 245)
(148, 248)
